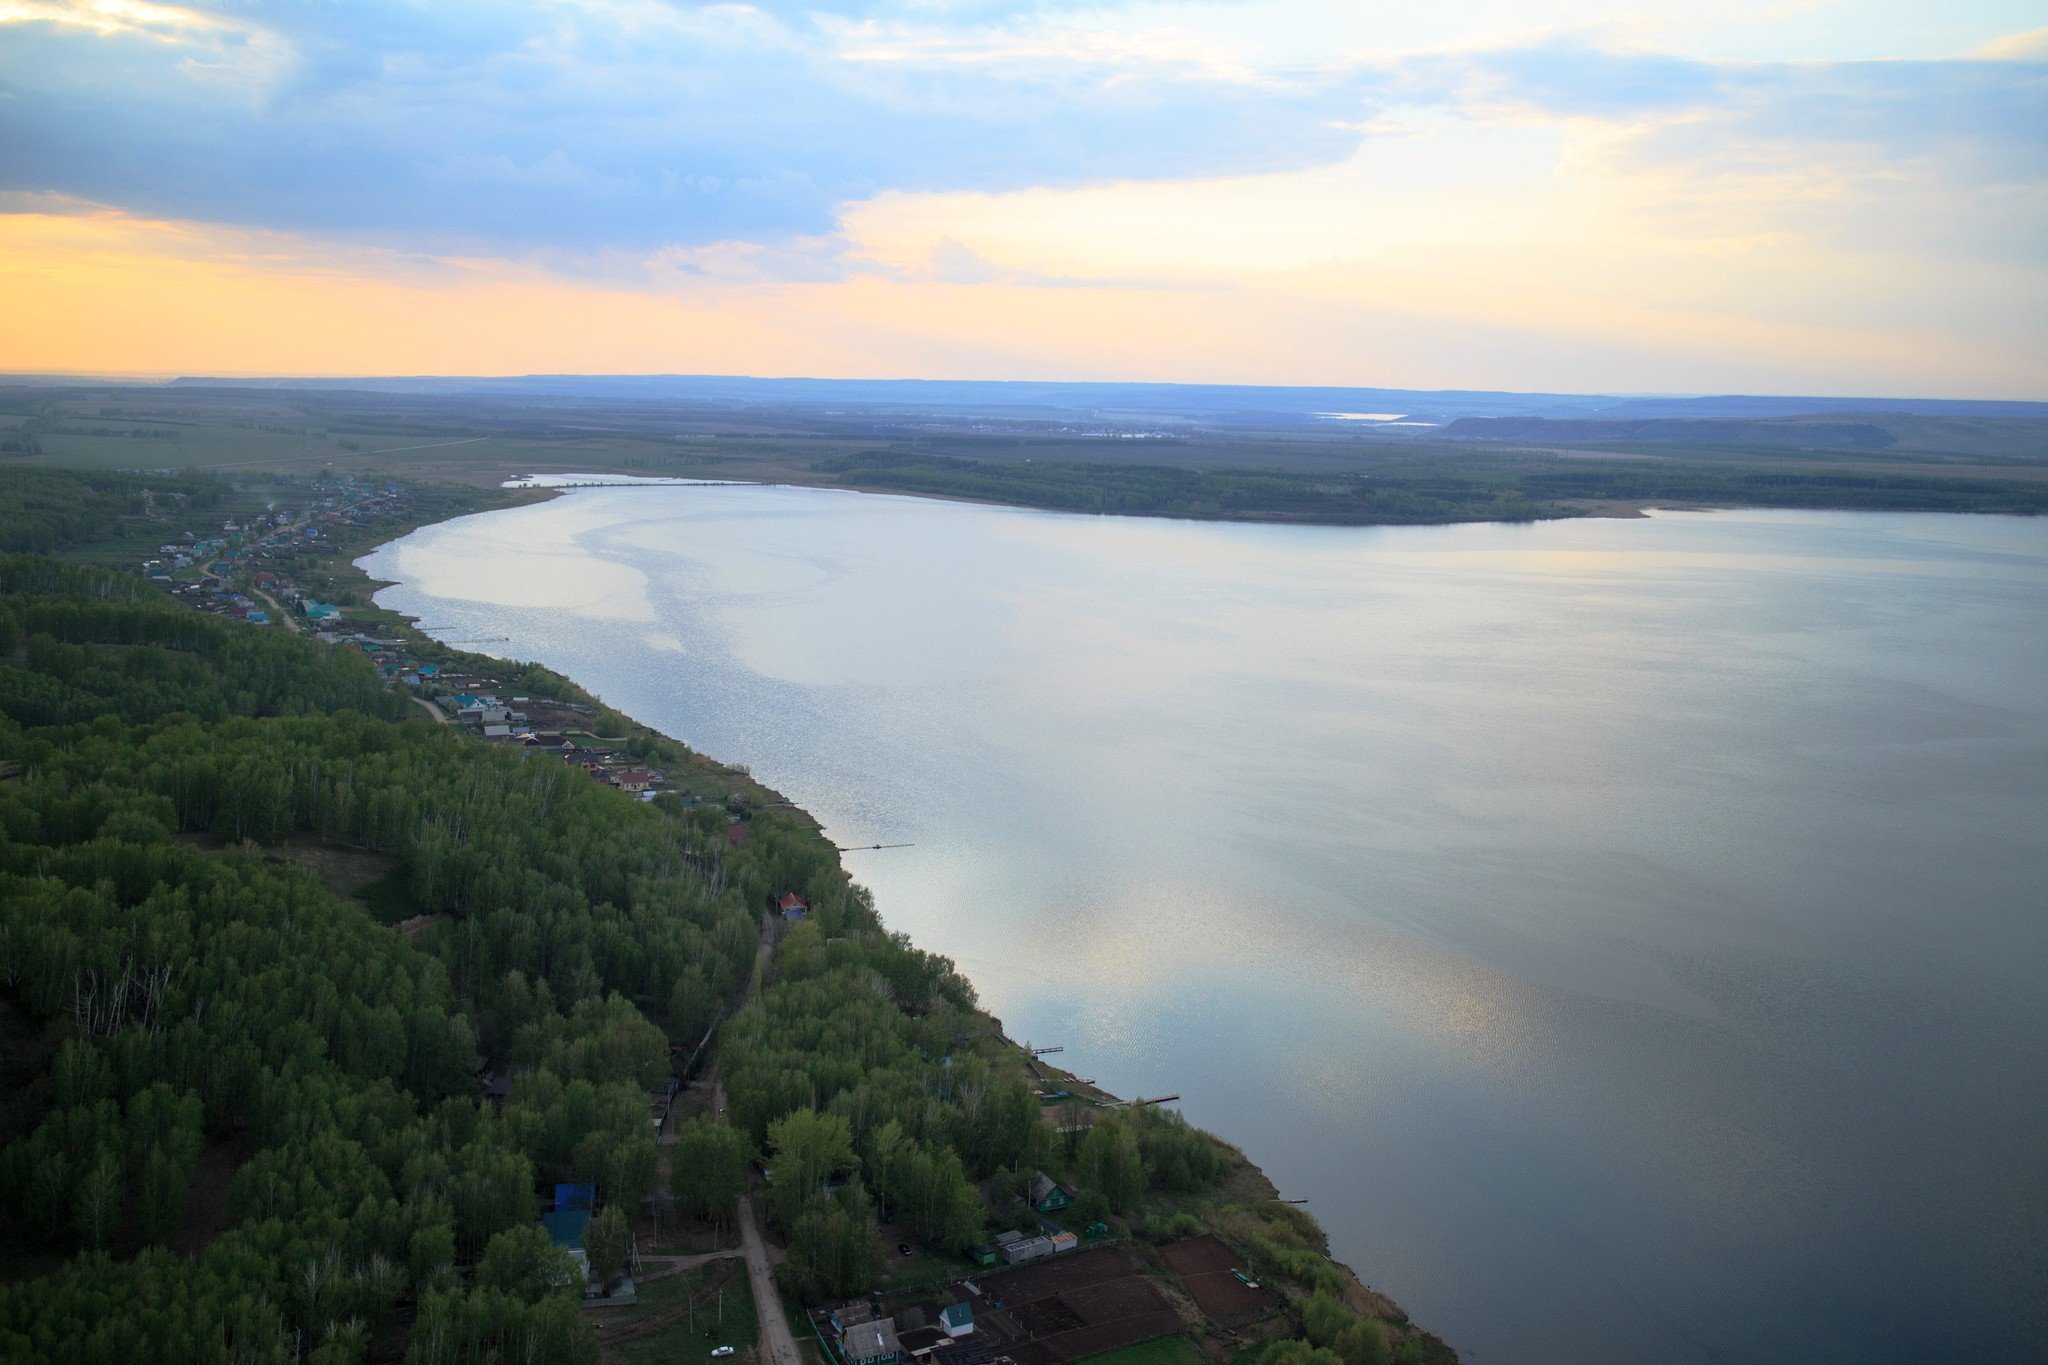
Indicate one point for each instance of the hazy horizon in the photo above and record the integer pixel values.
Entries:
(169, 378)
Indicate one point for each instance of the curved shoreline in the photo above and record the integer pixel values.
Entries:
(1357, 1293)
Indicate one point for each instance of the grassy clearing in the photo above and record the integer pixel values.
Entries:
(678, 1319)
(344, 872)
(921, 1269)
(388, 898)
(1158, 1351)
(196, 448)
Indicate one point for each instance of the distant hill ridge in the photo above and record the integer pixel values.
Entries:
(2005, 437)
(1222, 404)
(1689, 431)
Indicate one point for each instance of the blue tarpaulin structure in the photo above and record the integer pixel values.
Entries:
(575, 1196)
(565, 1227)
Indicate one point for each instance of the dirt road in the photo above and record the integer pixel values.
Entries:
(778, 1346)
(778, 1343)
(277, 612)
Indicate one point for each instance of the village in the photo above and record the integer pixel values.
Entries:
(244, 571)
(1052, 1295)
(229, 572)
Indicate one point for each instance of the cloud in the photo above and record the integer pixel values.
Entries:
(1019, 150)
(567, 130)
(590, 126)
(168, 23)
(2016, 47)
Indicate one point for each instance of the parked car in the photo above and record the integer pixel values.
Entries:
(718, 1352)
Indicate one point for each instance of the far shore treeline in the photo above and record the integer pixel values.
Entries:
(1481, 488)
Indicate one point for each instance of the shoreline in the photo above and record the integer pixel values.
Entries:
(1362, 1295)
(1579, 509)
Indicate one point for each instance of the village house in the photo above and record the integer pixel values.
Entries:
(565, 1228)
(849, 1315)
(1048, 1195)
(871, 1343)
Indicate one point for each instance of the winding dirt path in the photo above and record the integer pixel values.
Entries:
(778, 1345)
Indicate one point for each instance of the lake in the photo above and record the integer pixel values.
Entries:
(1631, 936)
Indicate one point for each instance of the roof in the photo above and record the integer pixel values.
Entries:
(871, 1340)
(1043, 1186)
(968, 1350)
(565, 1226)
(790, 900)
(957, 1314)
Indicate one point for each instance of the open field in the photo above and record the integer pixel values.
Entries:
(1205, 1266)
(1158, 1351)
(681, 1318)
(1513, 470)
(1073, 1306)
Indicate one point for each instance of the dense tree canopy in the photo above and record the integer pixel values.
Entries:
(44, 510)
(216, 1009)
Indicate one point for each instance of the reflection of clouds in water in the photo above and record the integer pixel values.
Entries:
(1567, 841)
(507, 566)
(1140, 951)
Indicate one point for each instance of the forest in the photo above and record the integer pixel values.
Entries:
(244, 1119)
(47, 510)
(1213, 494)
(1445, 488)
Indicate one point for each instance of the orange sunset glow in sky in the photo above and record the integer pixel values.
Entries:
(1821, 197)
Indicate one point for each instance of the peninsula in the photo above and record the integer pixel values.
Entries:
(368, 991)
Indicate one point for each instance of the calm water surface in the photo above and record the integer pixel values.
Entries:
(1631, 936)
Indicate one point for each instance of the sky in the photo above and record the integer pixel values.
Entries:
(1776, 196)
